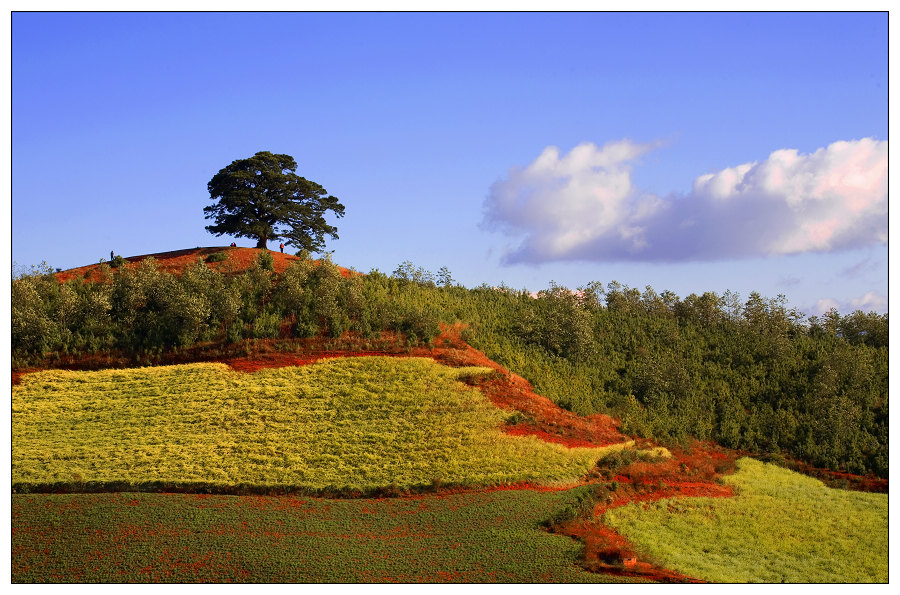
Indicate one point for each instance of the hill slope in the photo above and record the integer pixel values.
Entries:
(177, 261)
(575, 349)
(341, 424)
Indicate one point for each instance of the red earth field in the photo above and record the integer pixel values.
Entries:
(690, 472)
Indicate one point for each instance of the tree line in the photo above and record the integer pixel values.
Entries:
(750, 374)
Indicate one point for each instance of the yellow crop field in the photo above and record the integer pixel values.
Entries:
(349, 423)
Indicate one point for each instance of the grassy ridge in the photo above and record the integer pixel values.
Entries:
(350, 423)
(476, 537)
(782, 527)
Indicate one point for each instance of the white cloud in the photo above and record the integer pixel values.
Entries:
(824, 305)
(566, 202)
(871, 301)
(584, 206)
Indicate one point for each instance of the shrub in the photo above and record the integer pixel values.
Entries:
(514, 419)
(117, 261)
(235, 333)
(217, 257)
(627, 456)
(265, 326)
(418, 325)
(580, 505)
(33, 329)
(266, 261)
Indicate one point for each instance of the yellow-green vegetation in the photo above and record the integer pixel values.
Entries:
(350, 423)
(781, 527)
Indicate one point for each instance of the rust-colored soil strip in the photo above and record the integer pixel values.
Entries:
(175, 262)
(689, 473)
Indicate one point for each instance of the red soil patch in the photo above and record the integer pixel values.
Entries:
(248, 356)
(175, 262)
(686, 474)
(17, 375)
(524, 430)
(607, 552)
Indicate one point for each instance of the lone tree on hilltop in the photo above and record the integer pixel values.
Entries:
(262, 197)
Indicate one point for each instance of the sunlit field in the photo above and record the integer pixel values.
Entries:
(781, 527)
(349, 423)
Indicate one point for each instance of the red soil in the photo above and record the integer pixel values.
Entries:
(690, 472)
(17, 374)
(248, 356)
(239, 259)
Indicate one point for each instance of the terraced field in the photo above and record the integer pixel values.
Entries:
(342, 424)
(472, 494)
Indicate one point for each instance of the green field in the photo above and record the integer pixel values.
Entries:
(781, 527)
(139, 537)
(340, 424)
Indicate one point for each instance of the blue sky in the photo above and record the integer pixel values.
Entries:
(690, 152)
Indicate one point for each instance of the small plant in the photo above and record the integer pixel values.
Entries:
(305, 327)
(117, 261)
(514, 419)
(581, 505)
(626, 456)
(265, 326)
(217, 257)
(266, 261)
(235, 333)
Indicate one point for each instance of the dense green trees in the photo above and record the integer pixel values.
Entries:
(757, 377)
(748, 374)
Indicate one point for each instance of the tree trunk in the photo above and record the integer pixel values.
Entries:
(261, 244)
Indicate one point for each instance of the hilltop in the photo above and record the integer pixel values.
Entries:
(175, 262)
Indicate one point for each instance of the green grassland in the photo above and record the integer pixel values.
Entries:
(781, 527)
(341, 424)
(140, 537)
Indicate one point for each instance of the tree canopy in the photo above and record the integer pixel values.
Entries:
(263, 198)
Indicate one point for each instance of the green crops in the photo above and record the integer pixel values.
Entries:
(350, 423)
(174, 538)
(781, 527)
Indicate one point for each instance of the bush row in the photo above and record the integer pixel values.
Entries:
(140, 308)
